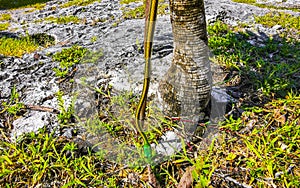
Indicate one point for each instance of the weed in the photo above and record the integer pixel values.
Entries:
(14, 106)
(5, 17)
(94, 39)
(17, 46)
(63, 19)
(139, 12)
(279, 18)
(78, 3)
(253, 2)
(4, 26)
(275, 7)
(42, 159)
(67, 59)
(245, 1)
(66, 113)
(270, 73)
(128, 1)
(264, 143)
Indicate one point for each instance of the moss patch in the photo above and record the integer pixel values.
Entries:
(17, 46)
(78, 3)
(4, 26)
(5, 17)
(63, 19)
(253, 2)
(245, 1)
(139, 12)
(279, 18)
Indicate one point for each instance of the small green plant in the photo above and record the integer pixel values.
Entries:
(4, 26)
(63, 19)
(279, 18)
(232, 124)
(204, 166)
(128, 1)
(139, 11)
(94, 39)
(262, 5)
(66, 112)
(67, 59)
(17, 46)
(92, 56)
(245, 1)
(40, 159)
(5, 17)
(78, 3)
(276, 7)
(14, 106)
(262, 142)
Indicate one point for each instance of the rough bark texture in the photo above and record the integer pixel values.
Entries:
(185, 89)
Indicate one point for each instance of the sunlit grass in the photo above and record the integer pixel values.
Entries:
(17, 46)
(4, 26)
(270, 73)
(5, 17)
(78, 3)
(244, 1)
(264, 143)
(139, 11)
(63, 19)
(279, 18)
(261, 5)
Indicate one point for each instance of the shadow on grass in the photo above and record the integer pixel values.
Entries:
(8, 4)
(257, 64)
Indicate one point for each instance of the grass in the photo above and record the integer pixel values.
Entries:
(4, 26)
(13, 106)
(41, 159)
(261, 5)
(291, 23)
(139, 11)
(5, 17)
(265, 145)
(271, 74)
(17, 46)
(78, 3)
(67, 59)
(245, 1)
(63, 19)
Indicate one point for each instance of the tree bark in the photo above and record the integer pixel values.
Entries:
(185, 89)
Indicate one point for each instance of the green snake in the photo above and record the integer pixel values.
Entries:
(151, 12)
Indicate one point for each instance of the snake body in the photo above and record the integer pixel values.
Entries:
(151, 12)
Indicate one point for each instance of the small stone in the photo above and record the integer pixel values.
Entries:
(277, 27)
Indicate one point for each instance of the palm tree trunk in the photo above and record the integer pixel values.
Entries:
(185, 89)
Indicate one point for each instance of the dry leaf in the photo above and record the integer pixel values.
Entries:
(186, 180)
(152, 179)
